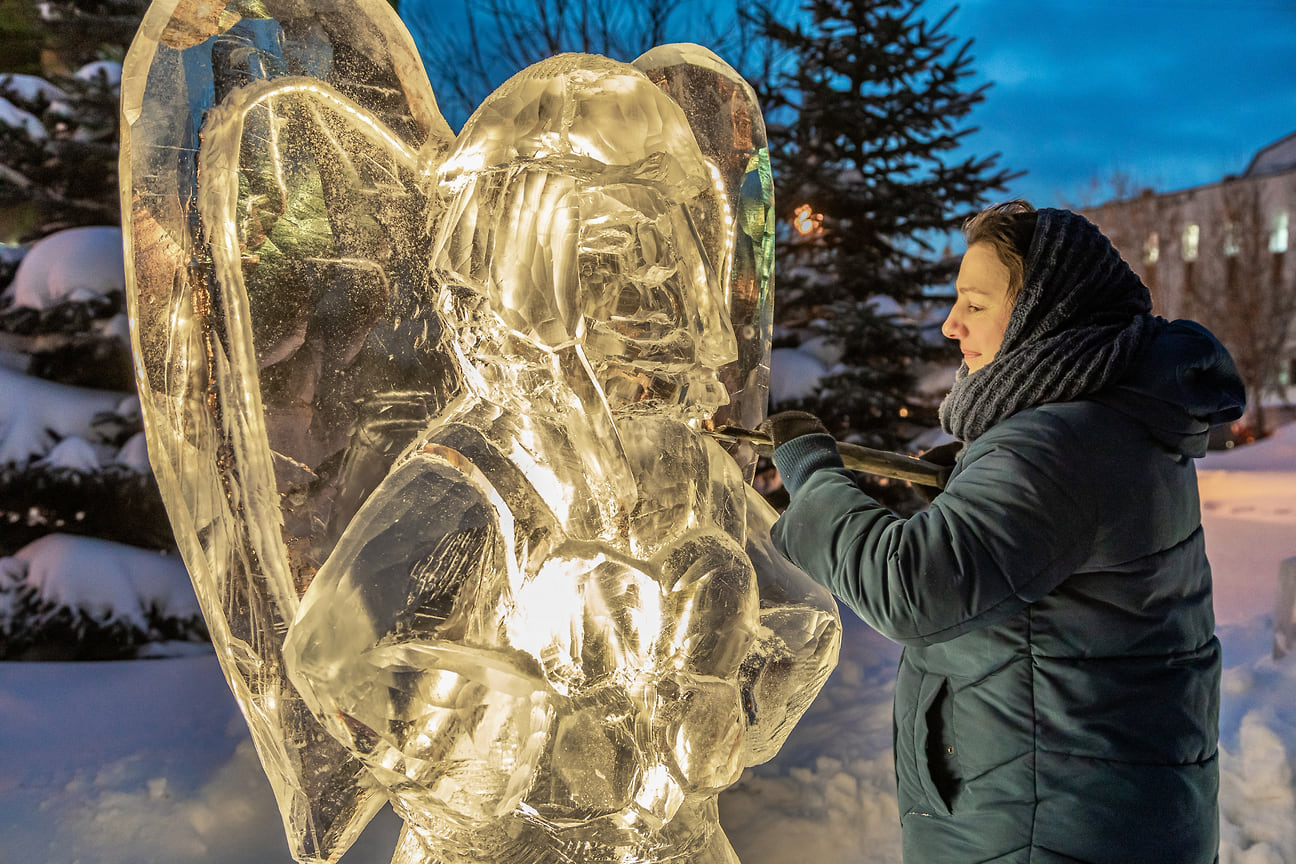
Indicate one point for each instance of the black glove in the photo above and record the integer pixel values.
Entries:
(786, 425)
(944, 455)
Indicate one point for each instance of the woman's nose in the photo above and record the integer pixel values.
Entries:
(952, 328)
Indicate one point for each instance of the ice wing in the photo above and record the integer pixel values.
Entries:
(726, 119)
(320, 255)
(275, 303)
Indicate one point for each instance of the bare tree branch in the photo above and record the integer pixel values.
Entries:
(501, 37)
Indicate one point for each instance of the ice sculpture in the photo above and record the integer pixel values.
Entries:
(429, 414)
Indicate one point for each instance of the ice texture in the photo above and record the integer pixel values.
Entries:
(429, 414)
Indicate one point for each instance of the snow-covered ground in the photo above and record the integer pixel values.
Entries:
(149, 761)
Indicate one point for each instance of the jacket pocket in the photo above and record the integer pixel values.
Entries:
(934, 748)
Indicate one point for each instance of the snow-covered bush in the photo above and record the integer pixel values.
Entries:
(76, 265)
(58, 150)
(75, 484)
(12, 115)
(36, 414)
(109, 71)
(64, 597)
(31, 88)
(794, 375)
(64, 306)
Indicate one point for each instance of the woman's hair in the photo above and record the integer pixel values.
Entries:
(1008, 227)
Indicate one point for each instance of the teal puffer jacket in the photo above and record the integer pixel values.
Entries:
(1058, 696)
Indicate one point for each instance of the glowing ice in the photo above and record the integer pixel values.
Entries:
(429, 413)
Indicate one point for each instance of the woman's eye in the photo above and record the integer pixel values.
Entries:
(972, 308)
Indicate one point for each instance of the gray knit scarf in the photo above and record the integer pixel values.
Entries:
(1080, 320)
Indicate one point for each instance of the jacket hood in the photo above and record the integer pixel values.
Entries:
(1074, 277)
(1183, 383)
(1081, 318)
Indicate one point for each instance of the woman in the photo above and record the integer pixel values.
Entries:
(1058, 696)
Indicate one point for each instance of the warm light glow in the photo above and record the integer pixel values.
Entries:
(806, 221)
(1191, 237)
(1152, 248)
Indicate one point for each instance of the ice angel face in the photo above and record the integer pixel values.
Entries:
(428, 415)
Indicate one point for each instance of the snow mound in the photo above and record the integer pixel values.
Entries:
(1275, 453)
(74, 265)
(885, 306)
(129, 408)
(118, 327)
(108, 69)
(134, 454)
(108, 581)
(71, 454)
(794, 375)
(30, 88)
(825, 350)
(34, 413)
(12, 115)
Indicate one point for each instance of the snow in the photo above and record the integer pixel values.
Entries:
(35, 413)
(884, 306)
(794, 375)
(30, 88)
(149, 761)
(134, 454)
(73, 265)
(71, 454)
(110, 70)
(118, 326)
(12, 253)
(107, 581)
(12, 115)
(1247, 494)
(825, 350)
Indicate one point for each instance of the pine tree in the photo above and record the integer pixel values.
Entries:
(58, 170)
(63, 173)
(864, 126)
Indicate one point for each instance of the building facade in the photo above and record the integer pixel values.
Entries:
(1223, 254)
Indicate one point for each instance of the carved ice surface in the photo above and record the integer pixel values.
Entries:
(429, 415)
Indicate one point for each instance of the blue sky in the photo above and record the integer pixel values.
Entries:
(1170, 93)
(1167, 93)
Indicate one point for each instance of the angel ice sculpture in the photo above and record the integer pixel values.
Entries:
(429, 414)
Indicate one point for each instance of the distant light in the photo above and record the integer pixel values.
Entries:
(904, 412)
(1231, 247)
(1191, 237)
(806, 221)
(1152, 248)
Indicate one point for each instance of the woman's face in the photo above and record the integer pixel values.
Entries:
(980, 314)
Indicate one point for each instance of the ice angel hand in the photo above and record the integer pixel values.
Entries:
(427, 412)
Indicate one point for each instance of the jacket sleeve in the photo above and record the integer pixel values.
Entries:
(1015, 519)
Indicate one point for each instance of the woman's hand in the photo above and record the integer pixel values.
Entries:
(786, 425)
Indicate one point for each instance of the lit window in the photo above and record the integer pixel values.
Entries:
(1152, 248)
(1231, 239)
(1191, 235)
(1278, 239)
